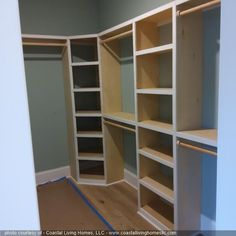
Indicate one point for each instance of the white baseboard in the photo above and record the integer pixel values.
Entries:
(130, 178)
(51, 175)
(207, 223)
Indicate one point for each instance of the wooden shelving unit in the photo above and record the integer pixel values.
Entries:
(144, 78)
(86, 92)
(155, 93)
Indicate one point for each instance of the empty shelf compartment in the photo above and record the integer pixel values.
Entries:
(157, 146)
(154, 71)
(89, 145)
(89, 124)
(91, 169)
(87, 101)
(86, 77)
(84, 50)
(161, 211)
(155, 30)
(156, 177)
(155, 111)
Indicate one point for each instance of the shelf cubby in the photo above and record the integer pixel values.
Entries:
(84, 50)
(87, 101)
(90, 146)
(154, 71)
(155, 112)
(120, 149)
(159, 210)
(154, 31)
(85, 77)
(89, 124)
(118, 74)
(156, 177)
(156, 146)
(91, 169)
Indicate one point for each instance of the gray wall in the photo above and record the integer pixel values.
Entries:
(59, 17)
(113, 12)
(44, 77)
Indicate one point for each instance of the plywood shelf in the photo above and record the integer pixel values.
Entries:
(124, 117)
(158, 188)
(91, 63)
(204, 136)
(91, 177)
(155, 50)
(88, 114)
(158, 91)
(157, 156)
(89, 134)
(162, 222)
(157, 126)
(90, 156)
(84, 90)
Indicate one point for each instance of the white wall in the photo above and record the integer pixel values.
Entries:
(18, 199)
(226, 170)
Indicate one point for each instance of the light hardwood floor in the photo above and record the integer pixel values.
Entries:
(118, 204)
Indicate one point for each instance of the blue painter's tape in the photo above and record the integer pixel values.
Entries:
(89, 204)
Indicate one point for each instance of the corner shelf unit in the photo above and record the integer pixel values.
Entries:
(86, 95)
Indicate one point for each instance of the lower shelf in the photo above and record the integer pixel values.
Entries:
(157, 126)
(158, 188)
(156, 209)
(91, 169)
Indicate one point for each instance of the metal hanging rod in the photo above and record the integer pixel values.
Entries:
(119, 126)
(199, 149)
(199, 8)
(118, 36)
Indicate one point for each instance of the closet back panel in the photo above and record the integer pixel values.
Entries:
(85, 76)
(89, 124)
(87, 101)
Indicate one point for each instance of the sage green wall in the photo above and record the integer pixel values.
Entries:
(44, 77)
(113, 12)
(59, 17)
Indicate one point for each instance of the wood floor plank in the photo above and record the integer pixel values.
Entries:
(118, 204)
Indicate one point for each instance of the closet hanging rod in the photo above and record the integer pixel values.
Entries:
(44, 44)
(199, 149)
(199, 8)
(118, 36)
(119, 126)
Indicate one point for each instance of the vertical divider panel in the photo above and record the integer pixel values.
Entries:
(76, 168)
(174, 83)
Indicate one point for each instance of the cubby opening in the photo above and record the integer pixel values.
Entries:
(196, 181)
(84, 50)
(198, 73)
(91, 146)
(158, 208)
(155, 110)
(118, 75)
(87, 101)
(120, 146)
(88, 124)
(154, 71)
(157, 177)
(91, 169)
(154, 31)
(156, 145)
(86, 77)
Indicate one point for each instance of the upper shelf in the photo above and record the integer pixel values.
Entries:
(155, 50)
(205, 136)
(124, 117)
(154, 31)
